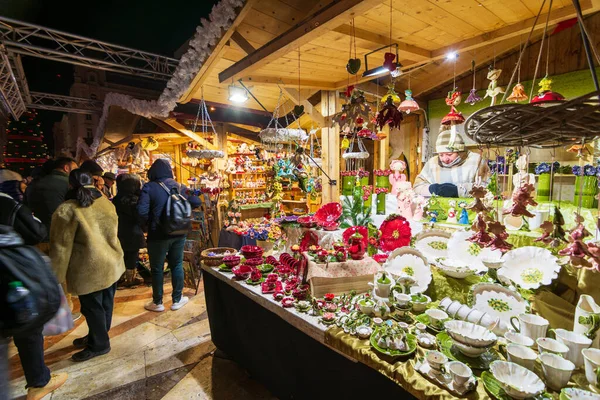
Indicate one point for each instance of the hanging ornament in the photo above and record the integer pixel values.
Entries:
(204, 118)
(389, 115)
(499, 241)
(391, 93)
(479, 226)
(493, 89)
(473, 96)
(149, 144)
(388, 62)
(547, 228)
(353, 65)
(298, 110)
(545, 92)
(478, 193)
(518, 94)
(453, 117)
(522, 197)
(345, 143)
(356, 107)
(409, 104)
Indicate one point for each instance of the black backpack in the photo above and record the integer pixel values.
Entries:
(30, 267)
(177, 216)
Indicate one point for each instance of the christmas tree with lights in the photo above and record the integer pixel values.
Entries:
(25, 148)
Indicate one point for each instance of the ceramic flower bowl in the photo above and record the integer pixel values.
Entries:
(307, 221)
(251, 251)
(231, 261)
(254, 262)
(470, 334)
(380, 258)
(578, 394)
(330, 225)
(454, 268)
(242, 272)
(329, 212)
(517, 382)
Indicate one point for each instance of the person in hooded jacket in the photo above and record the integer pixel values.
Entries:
(161, 245)
(130, 232)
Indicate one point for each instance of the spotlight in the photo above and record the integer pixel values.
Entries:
(237, 94)
(212, 109)
(452, 56)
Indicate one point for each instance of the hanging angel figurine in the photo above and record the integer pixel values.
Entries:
(499, 241)
(481, 237)
(493, 89)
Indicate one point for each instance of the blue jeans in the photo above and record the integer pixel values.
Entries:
(172, 250)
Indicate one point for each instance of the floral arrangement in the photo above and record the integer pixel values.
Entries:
(588, 170)
(545, 168)
(367, 191)
(382, 172)
(381, 190)
(361, 173)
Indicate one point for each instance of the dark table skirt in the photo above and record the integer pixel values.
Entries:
(291, 364)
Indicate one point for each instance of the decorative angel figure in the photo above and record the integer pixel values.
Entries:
(398, 178)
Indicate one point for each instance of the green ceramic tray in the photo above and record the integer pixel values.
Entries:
(482, 362)
(494, 388)
(224, 268)
(411, 341)
(249, 282)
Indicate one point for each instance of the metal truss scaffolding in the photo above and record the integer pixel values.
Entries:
(55, 102)
(9, 89)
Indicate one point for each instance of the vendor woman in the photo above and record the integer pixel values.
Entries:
(453, 171)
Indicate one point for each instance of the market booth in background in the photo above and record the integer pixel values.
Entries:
(420, 217)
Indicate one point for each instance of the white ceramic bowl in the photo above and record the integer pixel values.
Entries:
(470, 334)
(454, 268)
(364, 331)
(580, 394)
(575, 342)
(549, 345)
(591, 359)
(517, 382)
(470, 351)
(517, 338)
(521, 355)
(460, 372)
(436, 359)
(436, 317)
(492, 263)
(419, 307)
(557, 371)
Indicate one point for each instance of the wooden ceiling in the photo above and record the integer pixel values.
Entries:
(262, 46)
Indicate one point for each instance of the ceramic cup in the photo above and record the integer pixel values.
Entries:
(462, 312)
(445, 303)
(459, 372)
(436, 361)
(489, 322)
(517, 338)
(591, 359)
(530, 325)
(453, 308)
(549, 345)
(475, 316)
(421, 327)
(521, 355)
(576, 342)
(436, 317)
(557, 371)
(367, 306)
(402, 299)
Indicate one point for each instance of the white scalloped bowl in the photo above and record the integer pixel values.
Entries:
(529, 267)
(518, 382)
(470, 334)
(580, 394)
(471, 254)
(412, 266)
(470, 351)
(454, 268)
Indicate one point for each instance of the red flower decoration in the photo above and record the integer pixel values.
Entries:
(287, 302)
(362, 230)
(329, 296)
(395, 233)
(329, 212)
(308, 239)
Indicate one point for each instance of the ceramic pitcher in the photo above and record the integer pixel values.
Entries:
(588, 325)
(383, 284)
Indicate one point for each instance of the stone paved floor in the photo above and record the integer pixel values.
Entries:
(154, 356)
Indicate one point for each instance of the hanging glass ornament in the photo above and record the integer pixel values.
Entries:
(545, 92)
(409, 104)
(473, 96)
(518, 94)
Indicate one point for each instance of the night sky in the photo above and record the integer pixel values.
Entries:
(150, 25)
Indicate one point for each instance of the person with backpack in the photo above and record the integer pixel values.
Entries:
(166, 212)
(28, 339)
(131, 235)
(86, 254)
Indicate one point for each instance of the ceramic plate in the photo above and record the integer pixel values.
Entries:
(471, 254)
(413, 266)
(529, 267)
(433, 244)
(411, 342)
(498, 301)
(577, 394)
(483, 362)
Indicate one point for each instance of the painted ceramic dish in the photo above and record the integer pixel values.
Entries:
(470, 334)
(454, 268)
(529, 267)
(379, 334)
(395, 233)
(577, 394)
(447, 346)
(307, 221)
(498, 301)
(433, 244)
(412, 266)
(471, 254)
(328, 213)
(518, 382)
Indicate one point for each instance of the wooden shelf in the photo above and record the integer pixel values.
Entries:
(555, 175)
(245, 188)
(294, 201)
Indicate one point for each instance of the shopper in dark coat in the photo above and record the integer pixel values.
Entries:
(130, 234)
(45, 195)
(161, 245)
(19, 216)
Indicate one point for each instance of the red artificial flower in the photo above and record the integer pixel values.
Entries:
(395, 233)
(255, 275)
(329, 296)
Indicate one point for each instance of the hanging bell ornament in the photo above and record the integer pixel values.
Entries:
(345, 143)
(353, 66)
(409, 104)
(518, 94)
(545, 92)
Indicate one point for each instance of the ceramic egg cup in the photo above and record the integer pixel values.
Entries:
(444, 380)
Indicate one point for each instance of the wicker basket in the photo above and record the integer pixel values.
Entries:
(215, 261)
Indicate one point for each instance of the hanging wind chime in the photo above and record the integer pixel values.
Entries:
(204, 118)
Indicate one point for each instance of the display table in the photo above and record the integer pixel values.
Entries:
(295, 356)
(233, 240)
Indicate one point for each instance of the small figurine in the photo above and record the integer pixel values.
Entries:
(499, 241)
(398, 178)
(523, 177)
(419, 202)
(464, 215)
(518, 94)
(405, 204)
(454, 117)
(481, 237)
(493, 89)
(452, 212)
(433, 216)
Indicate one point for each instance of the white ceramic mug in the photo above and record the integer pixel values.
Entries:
(475, 316)
(436, 317)
(591, 359)
(460, 372)
(462, 312)
(521, 355)
(453, 308)
(445, 303)
(576, 342)
(517, 338)
(436, 360)
(549, 345)
(530, 325)
(557, 371)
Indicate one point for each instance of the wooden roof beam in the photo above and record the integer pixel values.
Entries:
(328, 18)
(409, 51)
(216, 54)
(172, 123)
(289, 82)
(241, 41)
(302, 99)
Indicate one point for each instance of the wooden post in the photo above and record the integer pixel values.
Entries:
(383, 150)
(330, 140)
(178, 175)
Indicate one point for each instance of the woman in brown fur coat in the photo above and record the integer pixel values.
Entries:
(86, 253)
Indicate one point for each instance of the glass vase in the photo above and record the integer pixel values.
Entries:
(587, 191)
(543, 188)
(368, 202)
(382, 182)
(381, 204)
(364, 181)
(348, 185)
